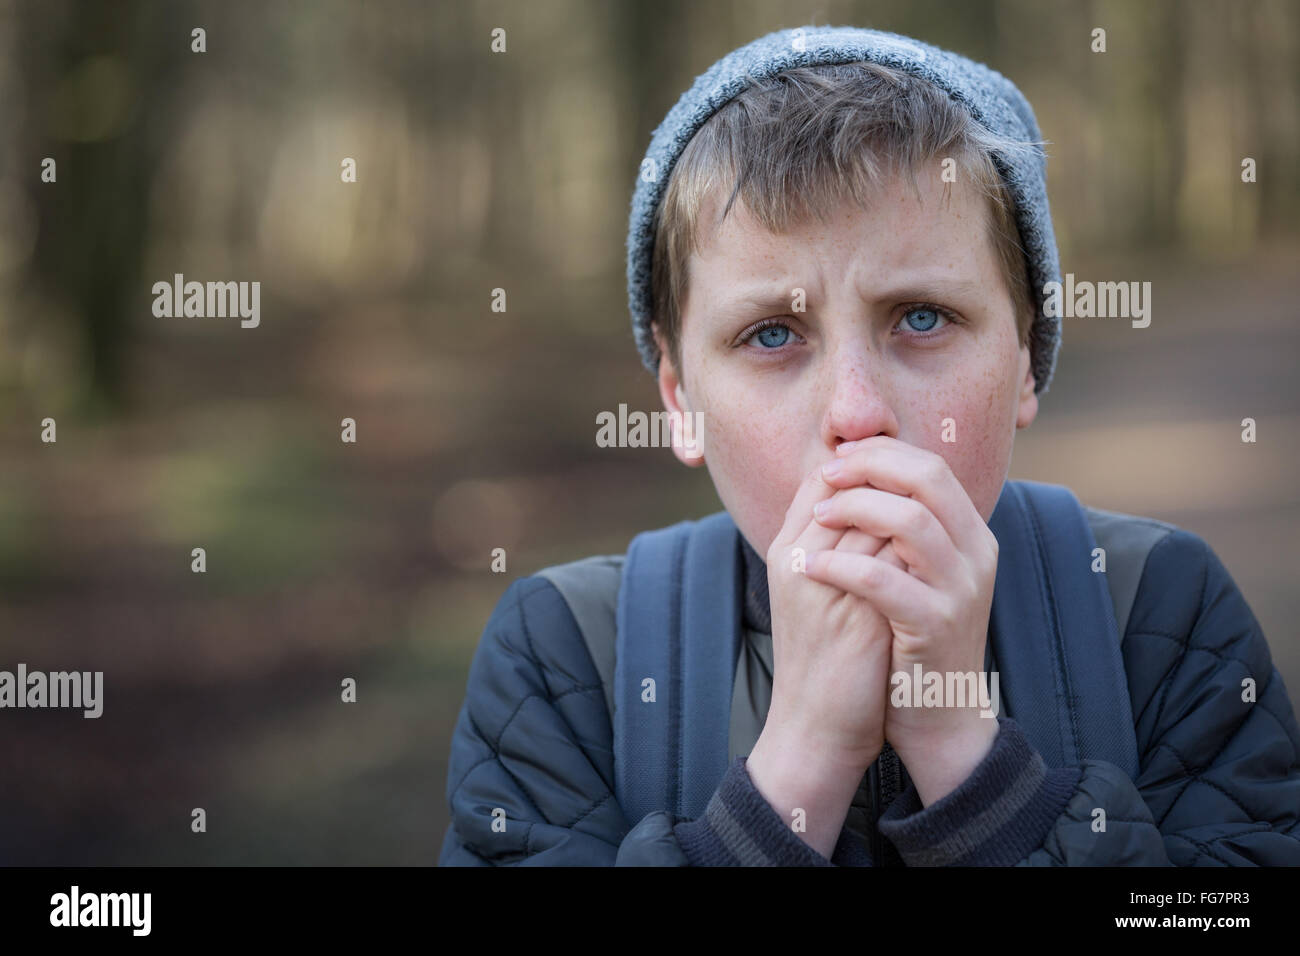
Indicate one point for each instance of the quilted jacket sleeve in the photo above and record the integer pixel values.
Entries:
(1219, 778)
(531, 774)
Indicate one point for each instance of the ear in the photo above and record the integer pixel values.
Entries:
(687, 442)
(1028, 397)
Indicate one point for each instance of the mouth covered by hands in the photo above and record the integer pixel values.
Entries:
(915, 549)
(830, 646)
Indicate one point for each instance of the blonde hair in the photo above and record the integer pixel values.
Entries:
(811, 138)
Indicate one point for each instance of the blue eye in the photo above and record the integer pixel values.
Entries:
(770, 333)
(774, 336)
(929, 317)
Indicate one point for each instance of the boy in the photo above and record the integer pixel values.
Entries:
(843, 277)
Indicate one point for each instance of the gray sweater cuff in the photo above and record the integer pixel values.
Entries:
(999, 815)
(740, 828)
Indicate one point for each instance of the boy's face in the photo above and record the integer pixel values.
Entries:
(870, 354)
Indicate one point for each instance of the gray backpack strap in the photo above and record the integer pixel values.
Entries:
(1127, 540)
(590, 588)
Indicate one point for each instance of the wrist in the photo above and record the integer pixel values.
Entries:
(807, 740)
(803, 783)
(940, 762)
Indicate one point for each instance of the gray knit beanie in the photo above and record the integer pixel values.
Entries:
(991, 98)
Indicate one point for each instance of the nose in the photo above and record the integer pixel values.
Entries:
(858, 402)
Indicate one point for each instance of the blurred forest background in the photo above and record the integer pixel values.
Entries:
(475, 429)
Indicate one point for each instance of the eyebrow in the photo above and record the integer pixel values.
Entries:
(759, 299)
(926, 287)
(764, 298)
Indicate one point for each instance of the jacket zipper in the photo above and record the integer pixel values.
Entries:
(873, 774)
(886, 777)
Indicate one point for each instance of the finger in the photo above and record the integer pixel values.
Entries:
(890, 556)
(918, 537)
(854, 539)
(893, 465)
(815, 537)
(799, 529)
(811, 489)
(901, 597)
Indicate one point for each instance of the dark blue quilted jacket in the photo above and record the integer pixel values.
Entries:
(531, 776)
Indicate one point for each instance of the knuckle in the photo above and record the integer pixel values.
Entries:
(916, 518)
(936, 469)
(947, 615)
(869, 575)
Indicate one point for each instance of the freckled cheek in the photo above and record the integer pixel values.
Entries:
(985, 458)
(742, 436)
(753, 454)
(977, 403)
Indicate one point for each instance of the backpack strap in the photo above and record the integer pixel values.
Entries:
(590, 588)
(1052, 616)
(679, 617)
(1126, 540)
